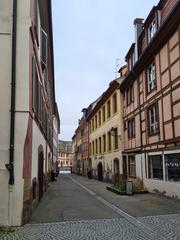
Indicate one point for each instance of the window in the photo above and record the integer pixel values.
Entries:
(115, 103)
(100, 150)
(90, 150)
(104, 114)
(95, 121)
(153, 119)
(93, 124)
(34, 85)
(109, 141)
(108, 109)
(155, 165)
(104, 143)
(130, 95)
(115, 138)
(151, 77)
(131, 128)
(99, 117)
(44, 52)
(172, 166)
(36, 13)
(132, 166)
(90, 127)
(96, 146)
(152, 30)
(93, 147)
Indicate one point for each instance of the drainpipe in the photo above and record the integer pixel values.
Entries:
(10, 165)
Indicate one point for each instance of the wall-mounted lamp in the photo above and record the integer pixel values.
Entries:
(113, 132)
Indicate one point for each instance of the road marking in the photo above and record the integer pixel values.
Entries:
(85, 188)
(152, 234)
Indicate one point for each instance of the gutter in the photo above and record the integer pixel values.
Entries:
(10, 165)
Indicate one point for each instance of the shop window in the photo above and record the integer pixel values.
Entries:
(172, 166)
(155, 165)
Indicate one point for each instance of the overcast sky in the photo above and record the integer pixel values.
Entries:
(89, 35)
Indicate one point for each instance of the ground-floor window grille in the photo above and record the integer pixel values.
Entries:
(155, 164)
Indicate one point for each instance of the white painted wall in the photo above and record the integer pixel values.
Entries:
(171, 189)
(11, 197)
(5, 83)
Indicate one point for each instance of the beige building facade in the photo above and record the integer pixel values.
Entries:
(106, 135)
(65, 155)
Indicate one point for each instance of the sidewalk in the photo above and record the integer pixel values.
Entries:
(137, 205)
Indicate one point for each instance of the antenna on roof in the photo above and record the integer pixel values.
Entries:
(117, 68)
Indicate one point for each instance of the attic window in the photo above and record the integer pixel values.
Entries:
(152, 30)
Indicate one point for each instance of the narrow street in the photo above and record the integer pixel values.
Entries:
(77, 208)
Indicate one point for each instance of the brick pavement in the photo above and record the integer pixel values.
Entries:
(102, 229)
(75, 208)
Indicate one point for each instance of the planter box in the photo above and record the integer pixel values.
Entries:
(116, 191)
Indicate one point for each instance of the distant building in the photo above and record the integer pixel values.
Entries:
(27, 106)
(151, 103)
(65, 153)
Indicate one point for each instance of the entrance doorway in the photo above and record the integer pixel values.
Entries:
(100, 171)
(40, 173)
(116, 170)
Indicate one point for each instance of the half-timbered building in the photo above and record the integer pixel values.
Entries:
(151, 102)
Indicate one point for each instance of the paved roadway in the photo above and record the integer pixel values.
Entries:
(78, 208)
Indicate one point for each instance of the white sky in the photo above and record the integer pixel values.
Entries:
(89, 35)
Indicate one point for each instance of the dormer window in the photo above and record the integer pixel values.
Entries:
(152, 30)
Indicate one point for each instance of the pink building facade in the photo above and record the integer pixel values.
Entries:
(151, 102)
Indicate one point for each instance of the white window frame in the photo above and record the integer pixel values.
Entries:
(151, 77)
(153, 120)
(152, 29)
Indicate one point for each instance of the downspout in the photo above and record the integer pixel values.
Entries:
(10, 166)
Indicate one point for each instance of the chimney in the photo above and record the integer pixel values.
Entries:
(138, 24)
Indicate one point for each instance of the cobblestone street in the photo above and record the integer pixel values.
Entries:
(77, 208)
